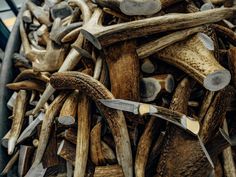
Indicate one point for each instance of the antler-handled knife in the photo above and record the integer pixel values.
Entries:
(174, 117)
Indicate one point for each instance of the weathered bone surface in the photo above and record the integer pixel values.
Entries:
(152, 47)
(108, 171)
(122, 58)
(53, 109)
(103, 36)
(67, 151)
(69, 109)
(59, 34)
(26, 17)
(152, 86)
(96, 154)
(31, 74)
(50, 157)
(195, 59)
(136, 7)
(185, 146)
(215, 114)
(54, 55)
(228, 161)
(71, 59)
(66, 131)
(39, 13)
(18, 119)
(144, 147)
(82, 146)
(148, 66)
(232, 62)
(27, 85)
(116, 121)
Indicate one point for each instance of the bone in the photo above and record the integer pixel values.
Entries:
(232, 63)
(98, 68)
(21, 60)
(152, 47)
(96, 154)
(39, 13)
(144, 147)
(153, 86)
(27, 85)
(213, 117)
(166, 81)
(108, 153)
(67, 151)
(85, 83)
(136, 7)
(82, 146)
(26, 17)
(43, 35)
(155, 152)
(103, 36)
(209, 73)
(4, 140)
(192, 153)
(19, 113)
(205, 104)
(71, 59)
(50, 158)
(10, 163)
(228, 162)
(70, 135)
(148, 66)
(122, 58)
(61, 10)
(108, 171)
(59, 34)
(33, 39)
(69, 109)
(150, 88)
(35, 142)
(71, 36)
(225, 32)
(30, 54)
(54, 55)
(110, 54)
(31, 74)
(53, 109)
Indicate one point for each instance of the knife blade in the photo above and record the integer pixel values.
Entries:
(30, 128)
(38, 171)
(177, 118)
(205, 152)
(128, 106)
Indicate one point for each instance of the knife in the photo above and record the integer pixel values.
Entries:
(174, 117)
(141, 109)
(31, 127)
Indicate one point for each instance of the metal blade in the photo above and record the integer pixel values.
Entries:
(31, 127)
(206, 153)
(123, 105)
(38, 171)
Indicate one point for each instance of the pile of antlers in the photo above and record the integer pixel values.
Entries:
(178, 54)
